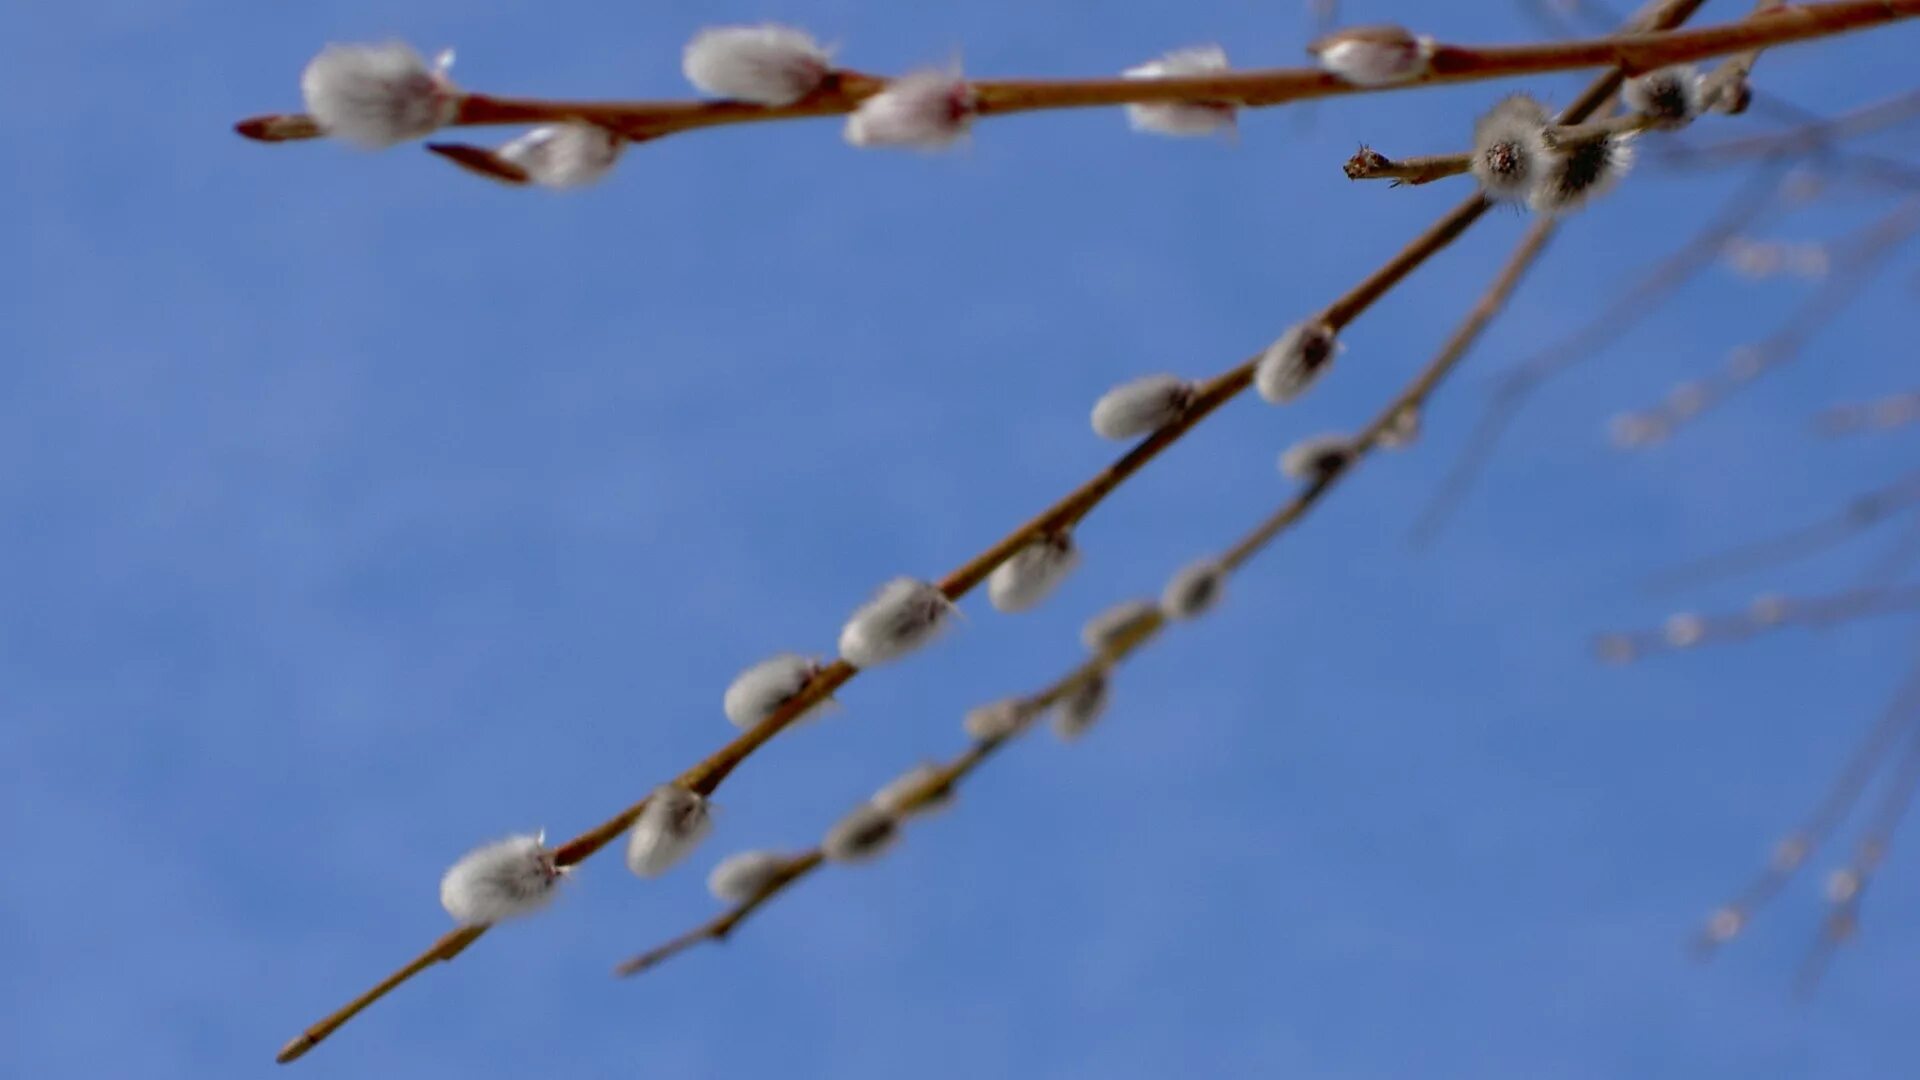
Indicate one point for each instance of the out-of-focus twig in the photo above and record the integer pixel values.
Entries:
(1767, 614)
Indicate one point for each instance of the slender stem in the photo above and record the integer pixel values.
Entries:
(844, 91)
(1370, 164)
(450, 945)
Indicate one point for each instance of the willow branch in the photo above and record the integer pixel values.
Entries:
(1370, 164)
(1767, 614)
(843, 91)
(1412, 397)
(1895, 410)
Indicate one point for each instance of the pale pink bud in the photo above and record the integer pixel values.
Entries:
(515, 876)
(1373, 55)
(1631, 430)
(1842, 886)
(565, 155)
(1119, 626)
(1181, 118)
(1136, 408)
(919, 790)
(1509, 147)
(759, 691)
(742, 877)
(865, 834)
(669, 827)
(1725, 924)
(1032, 573)
(1320, 457)
(905, 614)
(767, 64)
(1080, 708)
(928, 110)
(378, 95)
(1294, 361)
(1194, 590)
(1684, 630)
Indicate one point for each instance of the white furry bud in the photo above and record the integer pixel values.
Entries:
(1118, 626)
(904, 615)
(928, 110)
(1509, 147)
(1032, 573)
(565, 155)
(909, 793)
(767, 64)
(1194, 590)
(757, 692)
(744, 876)
(1181, 118)
(865, 834)
(669, 827)
(1684, 629)
(1080, 708)
(1317, 458)
(1136, 408)
(378, 95)
(1580, 172)
(996, 720)
(1402, 428)
(516, 876)
(1373, 55)
(1670, 95)
(1294, 361)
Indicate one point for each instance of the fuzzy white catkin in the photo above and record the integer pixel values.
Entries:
(758, 691)
(995, 720)
(1143, 405)
(563, 156)
(1117, 624)
(741, 877)
(1181, 118)
(903, 616)
(865, 834)
(669, 827)
(378, 95)
(928, 110)
(1294, 361)
(1032, 573)
(1672, 95)
(1373, 55)
(512, 877)
(1317, 457)
(1194, 590)
(1509, 147)
(893, 798)
(767, 64)
(1080, 708)
(1576, 174)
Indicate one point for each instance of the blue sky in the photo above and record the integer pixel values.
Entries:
(360, 511)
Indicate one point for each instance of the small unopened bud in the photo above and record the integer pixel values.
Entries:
(1181, 118)
(1144, 405)
(1630, 430)
(1321, 457)
(1294, 360)
(904, 615)
(767, 65)
(1725, 924)
(669, 827)
(1768, 610)
(1684, 630)
(1509, 147)
(565, 155)
(1669, 95)
(1032, 573)
(759, 691)
(919, 790)
(516, 876)
(1842, 886)
(928, 110)
(997, 719)
(1373, 55)
(1119, 626)
(1402, 428)
(1615, 648)
(1579, 172)
(1194, 590)
(1687, 398)
(865, 834)
(1789, 853)
(1080, 708)
(742, 877)
(378, 95)
(1745, 362)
